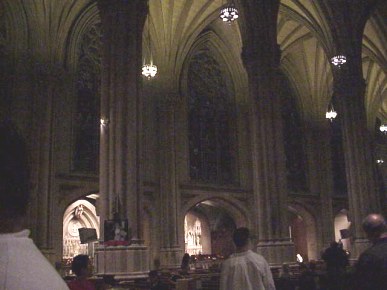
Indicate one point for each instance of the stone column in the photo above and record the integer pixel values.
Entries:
(171, 250)
(360, 166)
(318, 140)
(261, 58)
(37, 84)
(121, 108)
(45, 79)
(121, 136)
(349, 88)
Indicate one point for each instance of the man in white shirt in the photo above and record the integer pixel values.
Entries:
(245, 269)
(22, 266)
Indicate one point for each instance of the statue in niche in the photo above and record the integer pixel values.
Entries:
(116, 231)
(78, 211)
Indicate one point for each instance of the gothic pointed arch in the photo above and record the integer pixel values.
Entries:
(79, 214)
(211, 110)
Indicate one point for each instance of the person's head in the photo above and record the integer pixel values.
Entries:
(374, 225)
(185, 259)
(285, 268)
(241, 237)
(312, 265)
(154, 276)
(81, 266)
(334, 244)
(14, 177)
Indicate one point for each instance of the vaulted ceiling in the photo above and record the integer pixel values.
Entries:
(50, 28)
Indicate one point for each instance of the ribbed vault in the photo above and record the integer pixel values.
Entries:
(301, 31)
(53, 29)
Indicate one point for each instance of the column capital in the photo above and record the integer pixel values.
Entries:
(254, 56)
(346, 26)
(123, 6)
(346, 84)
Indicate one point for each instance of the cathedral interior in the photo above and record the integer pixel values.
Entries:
(231, 131)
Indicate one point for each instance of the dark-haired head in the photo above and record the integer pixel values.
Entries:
(374, 226)
(154, 277)
(241, 237)
(14, 173)
(80, 265)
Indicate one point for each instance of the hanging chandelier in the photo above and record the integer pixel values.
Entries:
(331, 114)
(383, 128)
(229, 13)
(149, 70)
(338, 60)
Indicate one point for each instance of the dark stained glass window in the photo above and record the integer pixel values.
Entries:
(211, 113)
(293, 140)
(87, 120)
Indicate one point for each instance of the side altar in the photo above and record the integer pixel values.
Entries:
(123, 262)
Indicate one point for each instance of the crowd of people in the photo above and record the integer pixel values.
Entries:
(22, 266)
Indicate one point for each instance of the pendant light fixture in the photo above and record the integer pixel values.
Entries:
(331, 114)
(229, 13)
(149, 70)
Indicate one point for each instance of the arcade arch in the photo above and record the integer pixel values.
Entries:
(342, 226)
(79, 214)
(303, 232)
(208, 227)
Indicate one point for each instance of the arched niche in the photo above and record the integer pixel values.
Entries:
(342, 228)
(79, 214)
(303, 231)
(213, 221)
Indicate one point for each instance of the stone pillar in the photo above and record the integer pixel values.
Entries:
(41, 144)
(261, 58)
(37, 85)
(121, 107)
(171, 250)
(318, 140)
(360, 166)
(120, 185)
(349, 88)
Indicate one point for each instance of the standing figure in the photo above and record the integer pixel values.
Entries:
(245, 269)
(336, 261)
(371, 268)
(155, 281)
(184, 268)
(22, 265)
(285, 280)
(81, 267)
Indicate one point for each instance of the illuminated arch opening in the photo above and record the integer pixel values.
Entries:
(208, 229)
(79, 214)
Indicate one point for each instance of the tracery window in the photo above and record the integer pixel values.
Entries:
(293, 140)
(87, 120)
(211, 114)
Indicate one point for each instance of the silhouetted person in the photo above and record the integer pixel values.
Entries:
(336, 260)
(371, 268)
(82, 269)
(184, 268)
(285, 281)
(155, 281)
(22, 265)
(245, 269)
(307, 279)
